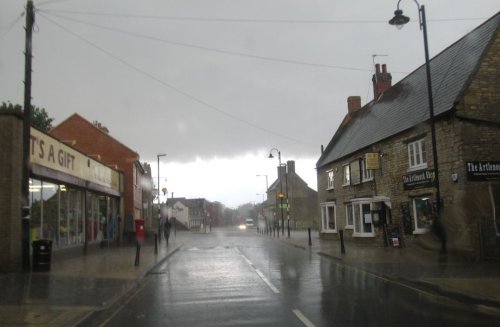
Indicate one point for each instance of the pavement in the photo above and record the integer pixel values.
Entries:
(78, 286)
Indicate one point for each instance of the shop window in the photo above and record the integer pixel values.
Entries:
(417, 155)
(422, 214)
(363, 220)
(346, 173)
(331, 179)
(50, 211)
(35, 208)
(328, 217)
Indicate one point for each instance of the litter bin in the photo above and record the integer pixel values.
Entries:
(42, 251)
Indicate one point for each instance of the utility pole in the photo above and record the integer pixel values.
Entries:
(25, 209)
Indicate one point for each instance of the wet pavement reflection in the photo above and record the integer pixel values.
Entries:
(241, 278)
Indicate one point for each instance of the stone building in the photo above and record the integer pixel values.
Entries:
(301, 200)
(376, 177)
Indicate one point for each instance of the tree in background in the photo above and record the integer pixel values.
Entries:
(39, 117)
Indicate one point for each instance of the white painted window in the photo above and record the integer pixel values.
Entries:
(367, 174)
(417, 158)
(331, 179)
(346, 173)
(362, 218)
(349, 221)
(328, 217)
(355, 172)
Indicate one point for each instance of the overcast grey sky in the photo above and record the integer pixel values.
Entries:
(215, 84)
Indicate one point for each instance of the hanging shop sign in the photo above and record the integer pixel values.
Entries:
(372, 160)
(480, 171)
(418, 179)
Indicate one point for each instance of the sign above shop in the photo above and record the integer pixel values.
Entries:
(479, 171)
(418, 179)
(372, 160)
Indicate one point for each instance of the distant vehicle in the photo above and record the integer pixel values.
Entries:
(249, 223)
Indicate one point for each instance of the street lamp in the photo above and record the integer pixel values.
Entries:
(159, 203)
(281, 195)
(399, 20)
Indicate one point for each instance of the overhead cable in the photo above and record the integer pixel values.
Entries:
(185, 94)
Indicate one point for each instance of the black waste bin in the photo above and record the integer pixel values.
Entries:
(42, 251)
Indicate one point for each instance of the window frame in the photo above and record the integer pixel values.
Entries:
(417, 229)
(325, 217)
(330, 182)
(349, 215)
(366, 174)
(346, 175)
(358, 204)
(417, 155)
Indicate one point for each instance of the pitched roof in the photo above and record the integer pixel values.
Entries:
(79, 118)
(191, 203)
(405, 105)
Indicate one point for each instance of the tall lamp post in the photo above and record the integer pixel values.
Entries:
(159, 202)
(281, 195)
(399, 20)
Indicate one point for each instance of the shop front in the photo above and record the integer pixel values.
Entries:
(74, 199)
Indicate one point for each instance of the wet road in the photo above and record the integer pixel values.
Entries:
(241, 278)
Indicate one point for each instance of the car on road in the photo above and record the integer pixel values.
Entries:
(249, 223)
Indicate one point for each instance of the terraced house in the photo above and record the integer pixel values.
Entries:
(376, 177)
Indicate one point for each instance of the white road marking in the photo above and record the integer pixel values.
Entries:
(261, 275)
(271, 286)
(303, 318)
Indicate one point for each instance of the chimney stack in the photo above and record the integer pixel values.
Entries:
(382, 81)
(353, 104)
(290, 166)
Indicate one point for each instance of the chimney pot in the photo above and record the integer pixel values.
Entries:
(353, 104)
(382, 81)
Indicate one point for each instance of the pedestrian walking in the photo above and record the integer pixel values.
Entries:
(167, 226)
(440, 232)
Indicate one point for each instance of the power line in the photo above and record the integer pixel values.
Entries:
(4, 30)
(242, 20)
(187, 95)
(226, 52)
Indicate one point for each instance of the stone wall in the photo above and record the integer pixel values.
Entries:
(11, 136)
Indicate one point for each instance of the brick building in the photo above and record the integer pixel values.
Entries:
(94, 139)
(395, 200)
(302, 200)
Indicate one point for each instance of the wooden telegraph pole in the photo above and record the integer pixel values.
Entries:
(25, 210)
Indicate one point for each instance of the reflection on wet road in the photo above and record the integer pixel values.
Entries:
(241, 278)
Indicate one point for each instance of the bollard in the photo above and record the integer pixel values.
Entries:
(137, 253)
(309, 232)
(288, 227)
(342, 248)
(156, 243)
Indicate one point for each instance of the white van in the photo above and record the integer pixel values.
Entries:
(249, 223)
